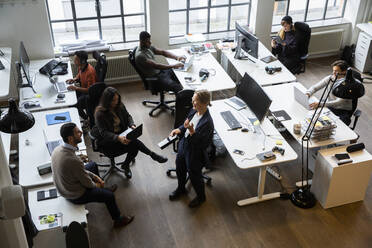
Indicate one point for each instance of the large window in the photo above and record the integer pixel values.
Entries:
(116, 21)
(308, 10)
(206, 16)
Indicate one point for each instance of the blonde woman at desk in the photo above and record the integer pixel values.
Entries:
(80, 183)
(195, 136)
(340, 107)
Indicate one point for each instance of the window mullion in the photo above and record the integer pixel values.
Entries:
(287, 10)
(325, 10)
(145, 11)
(187, 16)
(343, 8)
(209, 16)
(74, 19)
(229, 16)
(98, 11)
(122, 19)
(306, 10)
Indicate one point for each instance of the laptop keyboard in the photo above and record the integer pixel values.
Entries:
(61, 87)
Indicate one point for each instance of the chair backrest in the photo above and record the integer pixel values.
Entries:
(183, 106)
(132, 60)
(76, 236)
(303, 35)
(94, 95)
(101, 65)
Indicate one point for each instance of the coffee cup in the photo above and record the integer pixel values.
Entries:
(297, 128)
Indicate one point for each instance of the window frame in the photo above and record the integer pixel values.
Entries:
(307, 9)
(98, 17)
(208, 8)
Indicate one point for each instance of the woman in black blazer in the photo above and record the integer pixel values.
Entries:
(112, 118)
(195, 136)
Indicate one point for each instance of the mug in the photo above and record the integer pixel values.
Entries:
(297, 128)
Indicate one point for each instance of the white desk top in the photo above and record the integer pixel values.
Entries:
(249, 142)
(5, 73)
(257, 70)
(36, 153)
(220, 81)
(46, 89)
(71, 212)
(282, 97)
(5, 138)
(365, 27)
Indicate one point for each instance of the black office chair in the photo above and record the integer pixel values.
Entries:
(76, 236)
(183, 107)
(101, 65)
(302, 36)
(356, 112)
(152, 84)
(94, 95)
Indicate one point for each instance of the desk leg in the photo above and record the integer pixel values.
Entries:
(260, 191)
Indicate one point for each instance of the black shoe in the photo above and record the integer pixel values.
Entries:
(196, 202)
(158, 157)
(123, 221)
(177, 193)
(127, 171)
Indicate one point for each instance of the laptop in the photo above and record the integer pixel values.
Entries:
(302, 98)
(236, 103)
(187, 65)
(51, 145)
(60, 87)
(133, 134)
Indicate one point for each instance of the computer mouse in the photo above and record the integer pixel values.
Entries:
(244, 129)
(61, 95)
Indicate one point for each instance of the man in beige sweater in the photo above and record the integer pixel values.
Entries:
(78, 183)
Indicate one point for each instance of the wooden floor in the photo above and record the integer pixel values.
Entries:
(220, 222)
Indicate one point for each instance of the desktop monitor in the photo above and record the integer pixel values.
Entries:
(246, 41)
(254, 96)
(24, 62)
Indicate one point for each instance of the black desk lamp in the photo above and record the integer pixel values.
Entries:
(347, 88)
(14, 120)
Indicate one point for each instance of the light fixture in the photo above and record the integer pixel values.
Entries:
(15, 120)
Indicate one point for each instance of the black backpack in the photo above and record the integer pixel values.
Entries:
(348, 54)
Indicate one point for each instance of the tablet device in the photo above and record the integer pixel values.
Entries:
(269, 59)
(133, 134)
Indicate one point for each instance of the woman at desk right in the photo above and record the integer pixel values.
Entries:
(340, 107)
(195, 136)
(284, 45)
(112, 118)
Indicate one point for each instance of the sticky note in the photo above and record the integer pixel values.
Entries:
(325, 118)
(279, 142)
(256, 123)
(38, 95)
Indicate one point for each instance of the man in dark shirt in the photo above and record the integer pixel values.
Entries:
(146, 63)
(284, 45)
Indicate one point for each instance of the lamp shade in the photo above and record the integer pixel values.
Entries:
(349, 88)
(15, 120)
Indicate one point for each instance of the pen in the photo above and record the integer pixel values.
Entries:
(232, 129)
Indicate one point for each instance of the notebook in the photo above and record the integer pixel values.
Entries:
(133, 134)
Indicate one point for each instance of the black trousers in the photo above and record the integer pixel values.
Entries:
(117, 149)
(184, 166)
(345, 115)
(169, 81)
(99, 195)
(81, 104)
(292, 64)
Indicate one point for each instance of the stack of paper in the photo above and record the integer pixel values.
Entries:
(324, 128)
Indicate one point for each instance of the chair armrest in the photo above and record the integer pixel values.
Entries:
(151, 79)
(357, 113)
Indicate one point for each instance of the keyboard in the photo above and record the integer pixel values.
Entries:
(230, 120)
(61, 87)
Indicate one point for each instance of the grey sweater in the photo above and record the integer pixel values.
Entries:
(333, 101)
(69, 174)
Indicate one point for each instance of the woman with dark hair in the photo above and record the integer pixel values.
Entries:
(284, 45)
(112, 118)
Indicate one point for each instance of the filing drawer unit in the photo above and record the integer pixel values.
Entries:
(334, 185)
(363, 53)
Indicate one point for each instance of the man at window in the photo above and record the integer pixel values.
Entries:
(146, 63)
(284, 45)
(86, 76)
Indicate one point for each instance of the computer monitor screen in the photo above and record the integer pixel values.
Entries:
(254, 96)
(25, 62)
(249, 42)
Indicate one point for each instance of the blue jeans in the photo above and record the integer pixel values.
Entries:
(99, 195)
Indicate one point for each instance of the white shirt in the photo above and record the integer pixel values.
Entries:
(195, 120)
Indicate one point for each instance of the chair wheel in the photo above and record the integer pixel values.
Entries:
(172, 112)
(168, 173)
(150, 114)
(143, 102)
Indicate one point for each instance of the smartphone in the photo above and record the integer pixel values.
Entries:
(341, 156)
(237, 151)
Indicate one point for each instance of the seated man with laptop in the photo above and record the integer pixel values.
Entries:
(112, 118)
(340, 107)
(146, 63)
(78, 183)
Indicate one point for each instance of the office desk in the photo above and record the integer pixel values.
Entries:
(282, 97)
(54, 237)
(220, 81)
(46, 89)
(5, 73)
(257, 70)
(36, 153)
(251, 143)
